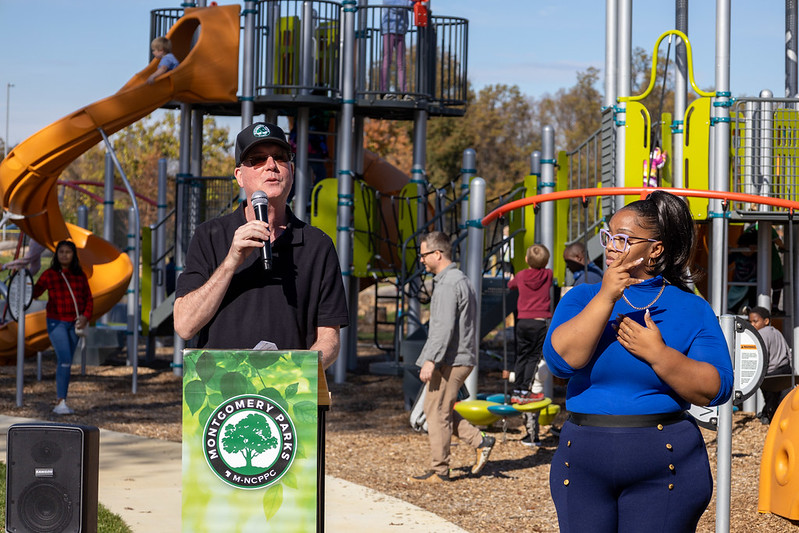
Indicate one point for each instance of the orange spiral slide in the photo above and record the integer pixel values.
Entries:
(208, 72)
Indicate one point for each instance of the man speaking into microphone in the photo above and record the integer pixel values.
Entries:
(226, 295)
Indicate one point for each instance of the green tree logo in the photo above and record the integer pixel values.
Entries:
(250, 441)
(250, 437)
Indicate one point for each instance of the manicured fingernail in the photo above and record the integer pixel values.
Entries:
(639, 260)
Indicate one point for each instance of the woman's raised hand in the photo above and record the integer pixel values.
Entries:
(617, 277)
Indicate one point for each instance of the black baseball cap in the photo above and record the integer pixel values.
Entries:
(254, 134)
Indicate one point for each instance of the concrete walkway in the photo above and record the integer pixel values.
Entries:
(140, 480)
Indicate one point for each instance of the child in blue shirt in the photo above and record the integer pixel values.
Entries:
(161, 48)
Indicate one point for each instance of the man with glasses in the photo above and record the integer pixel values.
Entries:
(447, 358)
(225, 296)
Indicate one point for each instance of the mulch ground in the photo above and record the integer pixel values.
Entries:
(370, 442)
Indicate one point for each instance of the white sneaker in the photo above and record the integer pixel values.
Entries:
(62, 408)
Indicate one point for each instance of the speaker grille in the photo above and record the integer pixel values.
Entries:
(51, 478)
(45, 507)
(46, 452)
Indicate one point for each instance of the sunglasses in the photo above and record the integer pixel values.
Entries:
(425, 254)
(256, 161)
(620, 241)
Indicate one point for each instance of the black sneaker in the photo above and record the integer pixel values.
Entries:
(529, 441)
(483, 452)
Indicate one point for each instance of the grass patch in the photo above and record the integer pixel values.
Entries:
(107, 522)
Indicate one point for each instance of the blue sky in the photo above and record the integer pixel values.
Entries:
(64, 54)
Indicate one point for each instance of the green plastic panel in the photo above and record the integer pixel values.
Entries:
(408, 217)
(637, 147)
(528, 221)
(324, 215)
(561, 220)
(696, 150)
(516, 222)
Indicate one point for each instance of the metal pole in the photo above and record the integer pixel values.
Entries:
(83, 216)
(791, 48)
(136, 253)
(108, 199)
(468, 170)
(625, 31)
(418, 176)
(248, 64)
(133, 352)
(764, 264)
(680, 96)
(20, 343)
(108, 210)
(724, 441)
(611, 45)
(358, 129)
(720, 130)
(181, 241)
(362, 23)
(765, 146)
(6, 142)
(535, 170)
(546, 216)
(160, 233)
(345, 196)
(307, 49)
(302, 175)
(474, 266)
(547, 185)
(83, 222)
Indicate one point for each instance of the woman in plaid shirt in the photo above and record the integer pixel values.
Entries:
(69, 303)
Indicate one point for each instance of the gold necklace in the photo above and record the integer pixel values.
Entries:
(662, 287)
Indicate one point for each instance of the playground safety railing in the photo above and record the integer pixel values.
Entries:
(279, 47)
(434, 56)
(207, 197)
(765, 137)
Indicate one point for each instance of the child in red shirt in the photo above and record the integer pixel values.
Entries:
(534, 311)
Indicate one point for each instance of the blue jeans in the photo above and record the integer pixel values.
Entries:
(65, 341)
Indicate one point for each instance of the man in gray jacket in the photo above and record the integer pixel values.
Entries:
(447, 359)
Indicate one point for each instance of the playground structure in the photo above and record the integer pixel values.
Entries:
(733, 159)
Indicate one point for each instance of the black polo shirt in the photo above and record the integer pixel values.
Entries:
(303, 290)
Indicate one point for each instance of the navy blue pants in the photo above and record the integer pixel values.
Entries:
(630, 479)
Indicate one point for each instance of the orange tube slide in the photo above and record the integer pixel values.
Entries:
(208, 72)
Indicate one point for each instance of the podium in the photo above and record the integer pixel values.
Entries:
(253, 441)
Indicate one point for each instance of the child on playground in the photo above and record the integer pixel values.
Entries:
(534, 311)
(161, 48)
(778, 355)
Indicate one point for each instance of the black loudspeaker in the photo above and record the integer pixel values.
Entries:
(51, 478)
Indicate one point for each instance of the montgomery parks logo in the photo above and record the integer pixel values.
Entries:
(261, 131)
(249, 441)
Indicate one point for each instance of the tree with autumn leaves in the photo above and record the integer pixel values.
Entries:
(139, 147)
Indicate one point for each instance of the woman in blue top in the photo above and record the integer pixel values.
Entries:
(638, 349)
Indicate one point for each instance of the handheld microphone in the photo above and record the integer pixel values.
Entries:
(260, 203)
